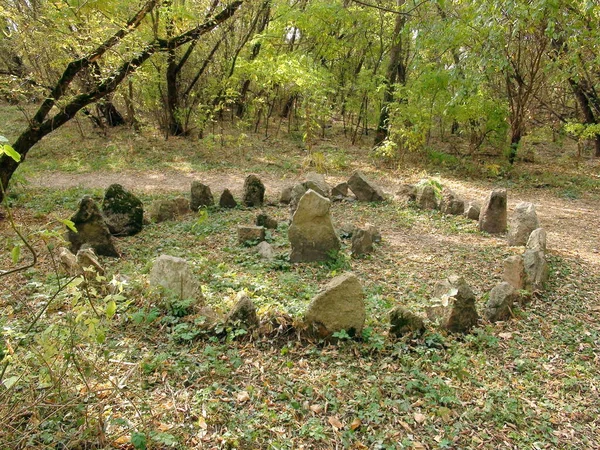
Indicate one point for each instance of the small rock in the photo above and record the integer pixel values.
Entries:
(451, 203)
(500, 303)
(201, 196)
(536, 269)
(523, 221)
(263, 220)
(426, 197)
(374, 232)
(88, 259)
(362, 243)
(69, 262)
(346, 230)
(265, 250)
(254, 191)
(537, 240)
(181, 206)
(249, 233)
(298, 190)
(227, 200)
(286, 195)
(403, 322)
(407, 193)
(493, 216)
(91, 230)
(175, 276)
(455, 309)
(244, 312)
(123, 211)
(472, 210)
(364, 189)
(514, 272)
(339, 191)
(317, 183)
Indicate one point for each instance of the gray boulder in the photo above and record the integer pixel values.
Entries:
(362, 242)
(536, 269)
(537, 240)
(500, 302)
(123, 211)
(522, 222)
(364, 189)
(200, 196)
(243, 312)
(265, 250)
(454, 309)
(340, 306)
(250, 233)
(91, 230)
(451, 203)
(226, 200)
(311, 233)
(254, 191)
(492, 218)
(514, 272)
(472, 211)
(403, 322)
(425, 197)
(175, 276)
(317, 183)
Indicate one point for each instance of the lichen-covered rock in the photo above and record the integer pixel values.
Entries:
(200, 196)
(493, 215)
(226, 200)
(523, 221)
(123, 211)
(243, 312)
(403, 322)
(362, 242)
(340, 306)
(250, 234)
(311, 233)
(175, 276)
(451, 203)
(537, 240)
(254, 191)
(454, 306)
(317, 183)
(91, 230)
(500, 302)
(514, 272)
(364, 189)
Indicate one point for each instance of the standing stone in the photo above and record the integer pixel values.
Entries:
(123, 211)
(451, 203)
(425, 197)
(340, 306)
(364, 189)
(91, 230)
(286, 195)
(311, 233)
(492, 218)
(263, 220)
(455, 309)
(226, 200)
(403, 322)
(200, 196)
(317, 183)
(523, 221)
(339, 191)
(249, 233)
(175, 276)
(472, 210)
(244, 312)
(537, 240)
(514, 272)
(254, 191)
(500, 303)
(362, 242)
(536, 269)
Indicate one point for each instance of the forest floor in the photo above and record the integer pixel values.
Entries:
(147, 378)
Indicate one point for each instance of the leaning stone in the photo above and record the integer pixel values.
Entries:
(425, 197)
(263, 220)
(500, 303)
(226, 200)
(537, 240)
(455, 306)
(254, 191)
(311, 233)
(403, 322)
(249, 233)
(317, 183)
(339, 191)
(69, 261)
(200, 196)
(91, 230)
(536, 269)
(243, 313)
(286, 195)
(362, 243)
(523, 221)
(472, 211)
(364, 189)
(88, 259)
(340, 306)
(265, 250)
(492, 218)
(123, 211)
(514, 272)
(175, 276)
(451, 203)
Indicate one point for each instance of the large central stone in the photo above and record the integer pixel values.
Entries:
(311, 233)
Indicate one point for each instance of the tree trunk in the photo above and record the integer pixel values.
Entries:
(586, 99)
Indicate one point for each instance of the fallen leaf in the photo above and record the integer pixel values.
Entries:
(418, 446)
(505, 335)
(243, 397)
(406, 426)
(317, 409)
(202, 423)
(356, 423)
(335, 422)
(419, 418)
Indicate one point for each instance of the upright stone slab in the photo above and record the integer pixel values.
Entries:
(364, 189)
(536, 269)
(254, 191)
(514, 272)
(317, 183)
(340, 306)
(362, 242)
(522, 222)
(500, 302)
(451, 203)
(123, 211)
(91, 230)
(311, 233)
(226, 200)
(175, 276)
(200, 195)
(537, 240)
(492, 218)
(455, 306)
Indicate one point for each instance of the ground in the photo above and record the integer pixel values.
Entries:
(145, 377)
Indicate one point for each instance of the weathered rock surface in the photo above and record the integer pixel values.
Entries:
(425, 197)
(254, 191)
(346, 229)
(523, 221)
(364, 189)
(455, 306)
(339, 191)
(263, 220)
(340, 306)
(298, 190)
(123, 211)
(407, 193)
(175, 276)
(362, 242)
(91, 230)
(493, 216)
(226, 200)
(317, 183)
(403, 322)
(374, 232)
(472, 210)
(200, 196)
(500, 302)
(250, 233)
(311, 233)
(536, 269)
(162, 210)
(87, 259)
(286, 195)
(68, 261)
(514, 272)
(265, 250)
(537, 240)
(243, 312)
(451, 203)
